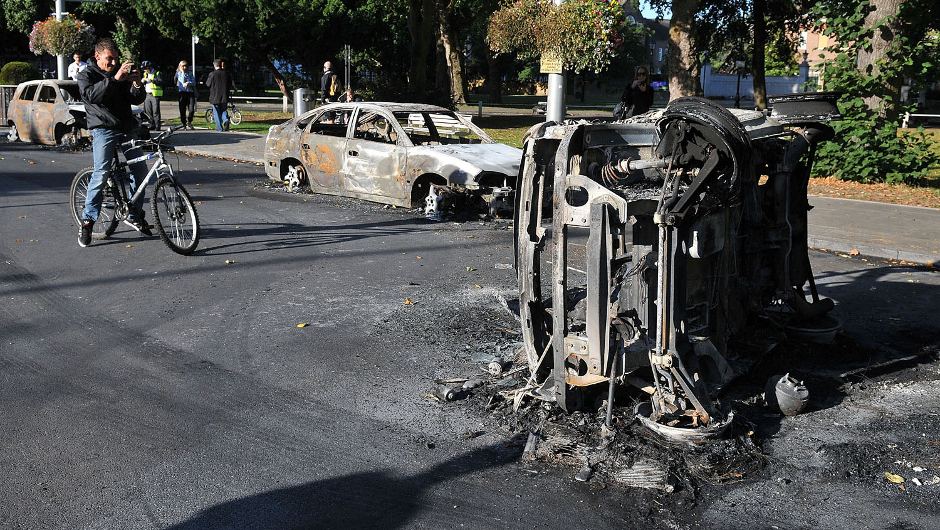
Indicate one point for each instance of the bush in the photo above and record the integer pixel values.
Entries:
(16, 72)
(869, 148)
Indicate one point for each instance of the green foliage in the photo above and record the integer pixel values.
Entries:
(61, 37)
(587, 34)
(16, 72)
(868, 145)
(867, 148)
(19, 14)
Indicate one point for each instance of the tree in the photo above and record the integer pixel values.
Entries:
(585, 34)
(878, 44)
(683, 65)
(445, 10)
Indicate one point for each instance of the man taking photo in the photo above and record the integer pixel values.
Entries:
(108, 90)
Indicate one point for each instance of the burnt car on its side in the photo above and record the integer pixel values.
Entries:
(407, 155)
(47, 111)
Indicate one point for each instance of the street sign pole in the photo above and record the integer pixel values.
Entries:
(555, 106)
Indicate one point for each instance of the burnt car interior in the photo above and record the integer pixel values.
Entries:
(374, 127)
(674, 243)
(436, 128)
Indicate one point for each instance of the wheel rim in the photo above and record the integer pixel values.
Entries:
(107, 213)
(176, 216)
(295, 178)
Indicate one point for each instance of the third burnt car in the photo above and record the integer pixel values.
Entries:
(408, 155)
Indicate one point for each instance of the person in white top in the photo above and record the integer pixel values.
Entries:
(77, 66)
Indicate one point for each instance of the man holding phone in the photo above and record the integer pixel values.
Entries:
(108, 90)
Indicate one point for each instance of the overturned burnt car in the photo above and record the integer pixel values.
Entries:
(669, 237)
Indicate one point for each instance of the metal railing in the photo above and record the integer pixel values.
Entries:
(250, 99)
(907, 118)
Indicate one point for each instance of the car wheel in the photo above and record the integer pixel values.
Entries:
(296, 177)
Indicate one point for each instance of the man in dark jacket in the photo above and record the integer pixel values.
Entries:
(108, 90)
(329, 83)
(219, 83)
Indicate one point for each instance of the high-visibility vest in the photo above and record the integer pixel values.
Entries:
(150, 84)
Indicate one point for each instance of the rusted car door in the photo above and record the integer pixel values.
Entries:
(43, 113)
(374, 164)
(322, 145)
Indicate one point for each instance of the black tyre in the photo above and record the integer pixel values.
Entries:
(209, 117)
(107, 219)
(235, 117)
(175, 216)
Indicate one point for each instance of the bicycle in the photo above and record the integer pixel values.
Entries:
(173, 210)
(234, 115)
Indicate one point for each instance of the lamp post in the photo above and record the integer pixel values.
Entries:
(738, 66)
(60, 59)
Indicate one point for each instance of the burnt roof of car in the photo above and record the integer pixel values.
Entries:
(397, 107)
(59, 81)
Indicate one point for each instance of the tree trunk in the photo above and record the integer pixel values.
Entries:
(868, 58)
(421, 19)
(494, 81)
(759, 8)
(278, 78)
(683, 78)
(458, 95)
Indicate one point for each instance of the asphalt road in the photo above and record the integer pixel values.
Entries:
(142, 389)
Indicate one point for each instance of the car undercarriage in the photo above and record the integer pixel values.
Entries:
(656, 252)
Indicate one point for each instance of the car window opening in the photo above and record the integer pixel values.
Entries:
(436, 128)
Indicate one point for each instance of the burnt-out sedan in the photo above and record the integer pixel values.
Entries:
(408, 155)
(47, 111)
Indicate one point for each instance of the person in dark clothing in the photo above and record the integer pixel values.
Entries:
(637, 97)
(330, 87)
(108, 90)
(219, 84)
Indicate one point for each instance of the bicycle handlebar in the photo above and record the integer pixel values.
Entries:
(130, 144)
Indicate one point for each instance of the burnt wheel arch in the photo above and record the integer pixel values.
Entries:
(422, 186)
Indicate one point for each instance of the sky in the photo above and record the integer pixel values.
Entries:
(649, 12)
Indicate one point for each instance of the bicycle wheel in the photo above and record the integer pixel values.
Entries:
(107, 219)
(175, 216)
(235, 117)
(209, 117)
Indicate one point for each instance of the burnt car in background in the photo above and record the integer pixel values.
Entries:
(408, 155)
(668, 252)
(47, 111)
(51, 112)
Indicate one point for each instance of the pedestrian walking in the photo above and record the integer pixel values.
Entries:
(219, 83)
(77, 65)
(108, 89)
(348, 96)
(186, 90)
(637, 97)
(330, 85)
(152, 81)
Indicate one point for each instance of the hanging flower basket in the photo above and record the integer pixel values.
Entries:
(61, 37)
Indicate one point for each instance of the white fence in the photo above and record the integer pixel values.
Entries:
(715, 85)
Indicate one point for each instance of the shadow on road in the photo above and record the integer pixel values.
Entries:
(373, 499)
(259, 237)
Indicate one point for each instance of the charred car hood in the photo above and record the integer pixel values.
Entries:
(475, 158)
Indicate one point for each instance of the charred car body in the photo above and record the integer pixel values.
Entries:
(401, 154)
(693, 223)
(48, 112)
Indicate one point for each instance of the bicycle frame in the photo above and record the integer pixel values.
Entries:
(154, 171)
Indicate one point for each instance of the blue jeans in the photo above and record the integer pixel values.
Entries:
(220, 115)
(104, 145)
